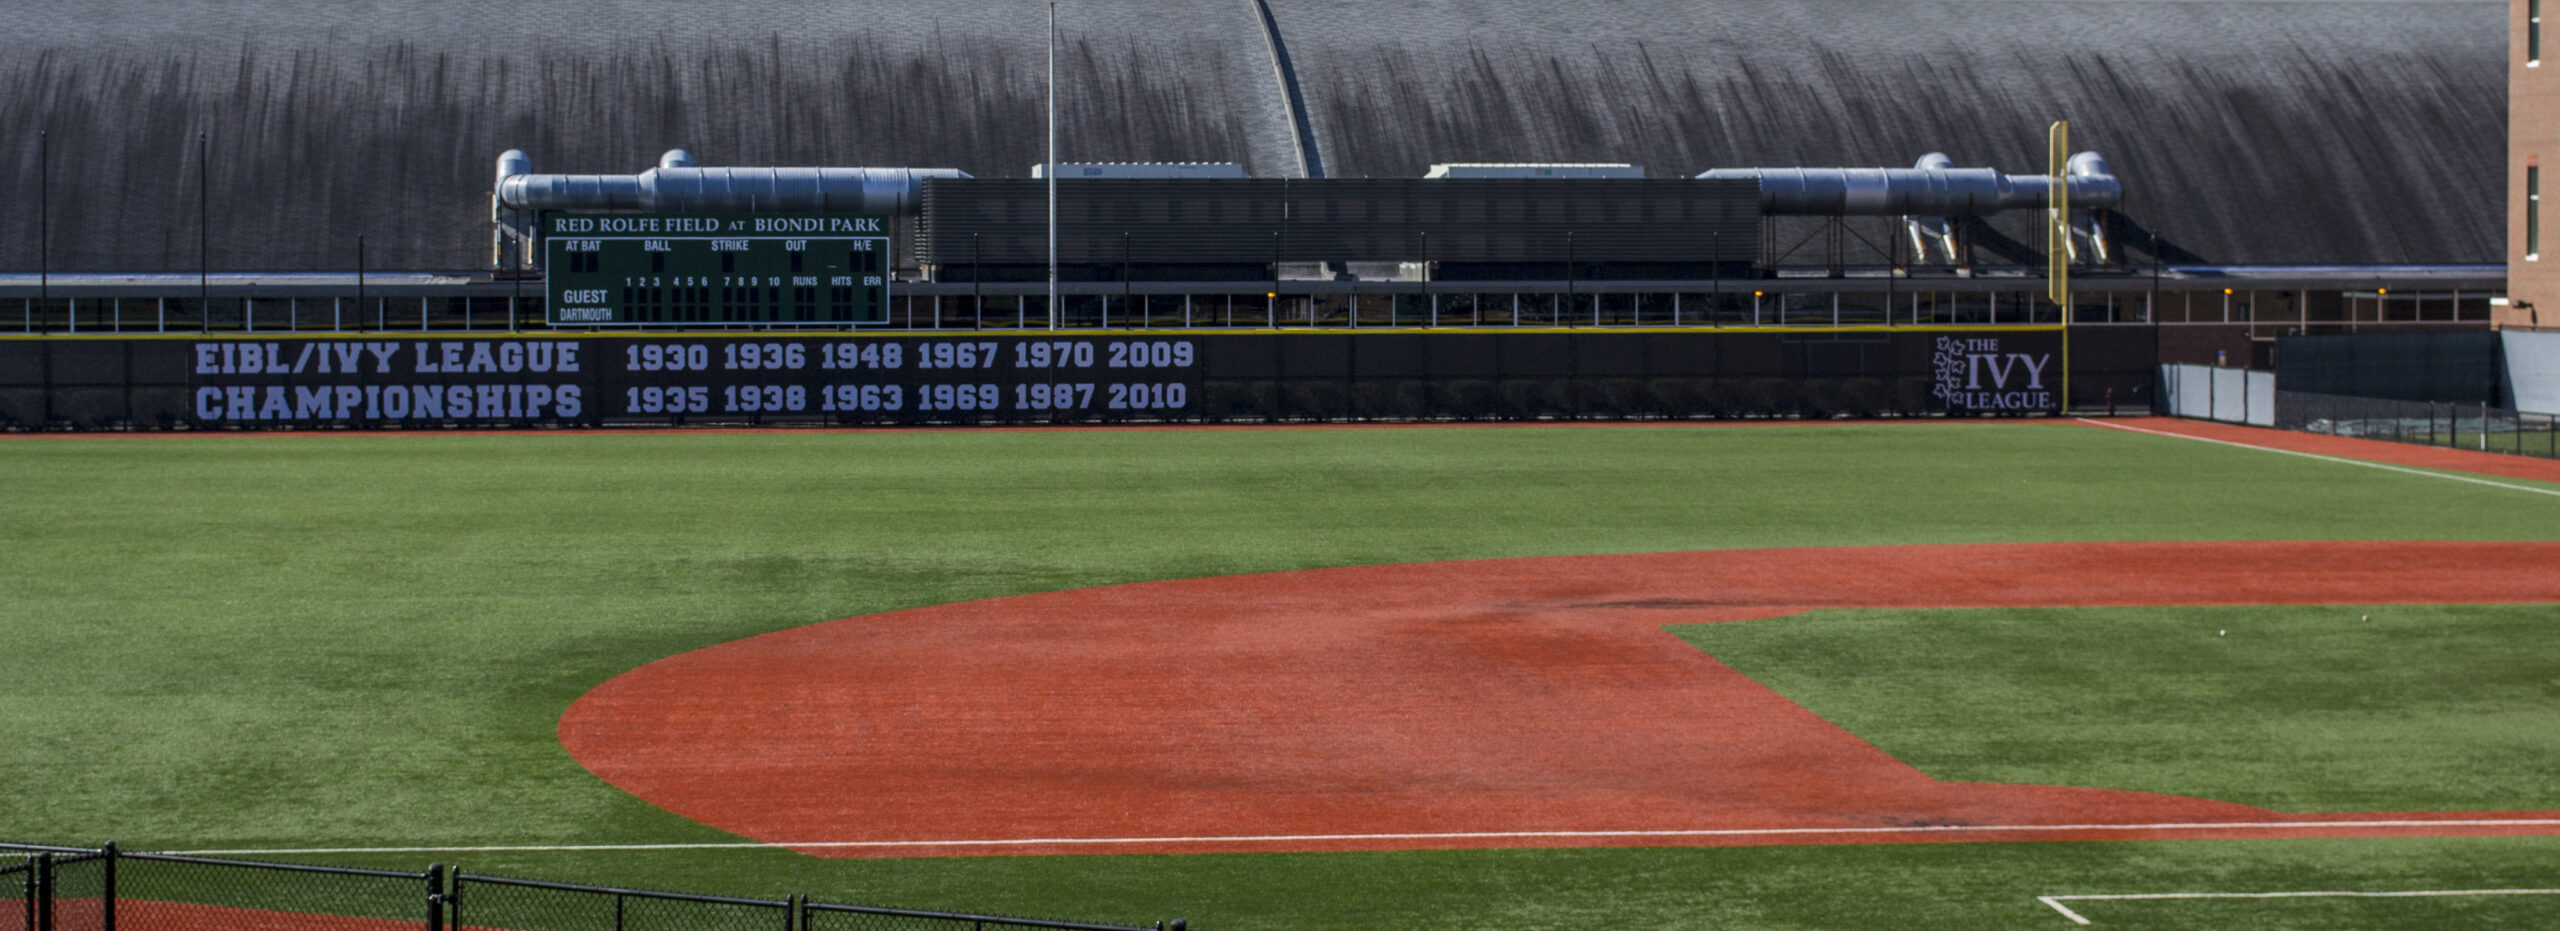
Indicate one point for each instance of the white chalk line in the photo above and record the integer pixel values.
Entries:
(2358, 462)
(1452, 835)
(2057, 900)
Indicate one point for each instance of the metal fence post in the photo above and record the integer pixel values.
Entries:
(41, 903)
(107, 888)
(435, 897)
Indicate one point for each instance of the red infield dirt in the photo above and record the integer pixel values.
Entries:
(1497, 703)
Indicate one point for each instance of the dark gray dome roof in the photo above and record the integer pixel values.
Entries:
(2247, 132)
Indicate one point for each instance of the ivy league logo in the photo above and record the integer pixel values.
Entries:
(1974, 375)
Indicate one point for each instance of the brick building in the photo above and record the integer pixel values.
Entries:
(2533, 152)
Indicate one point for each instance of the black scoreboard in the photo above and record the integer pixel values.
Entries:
(673, 270)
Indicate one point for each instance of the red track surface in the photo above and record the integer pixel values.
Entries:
(1284, 711)
(182, 916)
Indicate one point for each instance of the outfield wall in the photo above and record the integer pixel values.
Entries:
(423, 381)
(2455, 367)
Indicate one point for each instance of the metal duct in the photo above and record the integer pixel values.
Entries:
(1934, 190)
(513, 226)
(897, 192)
(513, 162)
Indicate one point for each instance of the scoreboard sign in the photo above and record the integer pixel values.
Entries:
(674, 270)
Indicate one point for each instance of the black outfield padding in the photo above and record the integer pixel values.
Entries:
(2454, 367)
(374, 380)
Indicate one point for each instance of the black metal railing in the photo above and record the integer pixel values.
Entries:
(248, 307)
(46, 888)
(30, 876)
(526, 905)
(78, 890)
(163, 891)
(2472, 426)
(816, 916)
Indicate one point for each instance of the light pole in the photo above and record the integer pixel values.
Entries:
(1051, 168)
(44, 218)
(204, 233)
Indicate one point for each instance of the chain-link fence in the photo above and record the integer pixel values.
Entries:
(104, 889)
(819, 917)
(17, 892)
(78, 891)
(43, 888)
(2471, 426)
(160, 891)
(500, 904)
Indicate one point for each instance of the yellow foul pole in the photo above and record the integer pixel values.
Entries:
(2057, 244)
(2057, 241)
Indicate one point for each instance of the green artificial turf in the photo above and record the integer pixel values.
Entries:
(293, 641)
(2295, 708)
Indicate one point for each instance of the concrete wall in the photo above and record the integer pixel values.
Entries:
(2229, 395)
(2533, 370)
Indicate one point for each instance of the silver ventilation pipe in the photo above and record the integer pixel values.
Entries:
(896, 192)
(1935, 188)
(514, 227)
(1933, 239)
(678, 186)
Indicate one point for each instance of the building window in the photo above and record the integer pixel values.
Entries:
(2532, 212)
(2532, 32)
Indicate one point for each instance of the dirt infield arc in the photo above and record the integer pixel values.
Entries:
(1521, 702)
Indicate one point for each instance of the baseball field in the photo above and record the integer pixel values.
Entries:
(1933, 674)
